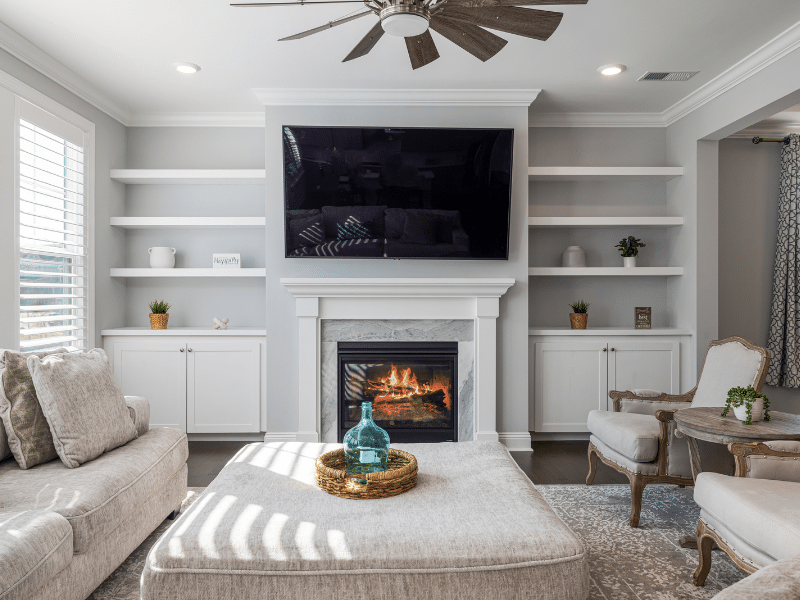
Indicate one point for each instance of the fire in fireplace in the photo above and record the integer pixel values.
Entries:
(412, 387)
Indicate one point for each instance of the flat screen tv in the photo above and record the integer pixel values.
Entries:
(397, 192)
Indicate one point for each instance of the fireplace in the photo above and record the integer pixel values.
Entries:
(412, 387)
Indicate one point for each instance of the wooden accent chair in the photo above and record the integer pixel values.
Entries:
(638, 437)
(753, 516)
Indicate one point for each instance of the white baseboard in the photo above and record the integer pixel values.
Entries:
(288, 436)
(224, 437)
(516, 441)
(560, 437)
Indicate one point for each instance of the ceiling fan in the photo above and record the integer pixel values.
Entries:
(460, 21)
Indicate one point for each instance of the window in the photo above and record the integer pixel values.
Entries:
(54, 252)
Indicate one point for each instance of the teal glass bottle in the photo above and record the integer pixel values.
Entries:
(366, 446)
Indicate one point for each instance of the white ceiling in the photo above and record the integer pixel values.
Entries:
(125, 49)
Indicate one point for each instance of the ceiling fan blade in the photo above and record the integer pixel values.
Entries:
(367, 43)
(327, 26)
(421, 50)
(480, 43)
(296, 3)
(527, 22)
(481, 3)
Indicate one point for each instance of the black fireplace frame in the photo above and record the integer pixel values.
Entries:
(350, 351)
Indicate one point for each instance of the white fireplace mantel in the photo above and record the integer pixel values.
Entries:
(477, 299)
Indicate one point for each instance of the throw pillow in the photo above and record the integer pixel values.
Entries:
(305, 231)
(24, 424)
(419, 229)
(353, 229)
(83, 405)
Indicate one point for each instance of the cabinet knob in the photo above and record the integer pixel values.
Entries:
(605, 349)
(190, 349)
(613, 349)
(181, 349)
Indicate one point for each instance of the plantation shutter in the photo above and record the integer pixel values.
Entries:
(53, 242)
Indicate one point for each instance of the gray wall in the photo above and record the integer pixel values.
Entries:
(109, 200)
(748, 225)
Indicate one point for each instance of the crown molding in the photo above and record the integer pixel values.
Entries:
(387, 97)
(596, 120)
(36, 58)
(209, 119)
(767, 129)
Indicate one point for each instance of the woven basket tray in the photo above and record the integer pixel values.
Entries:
(399, 477)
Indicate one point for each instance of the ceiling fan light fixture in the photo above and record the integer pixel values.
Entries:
(186, 68)
(611, 70)
(405, 20)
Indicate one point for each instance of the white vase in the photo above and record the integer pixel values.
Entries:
(162, 257)
(628, 261)
(573, 256)
(756, 412)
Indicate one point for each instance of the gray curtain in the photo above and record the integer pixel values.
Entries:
(784, 331)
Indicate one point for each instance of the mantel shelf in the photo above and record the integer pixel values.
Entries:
(603, 173)
(185, 272)
(185, 331)
(585, 222)
(189, 222)
(604, 271)
(566, 331)
(190, 176)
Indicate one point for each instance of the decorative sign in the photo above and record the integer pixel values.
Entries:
(642, 317)
(227, 261)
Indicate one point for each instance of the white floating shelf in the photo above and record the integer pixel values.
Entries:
(607, 331)
(603, 173)
(185, 331)
(585, 222)
(603, 271)
(189, 222)
(137, 272)
(190, 176)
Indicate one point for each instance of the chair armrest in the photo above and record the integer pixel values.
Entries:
(767, 460)
(139, 409)
(628, 401)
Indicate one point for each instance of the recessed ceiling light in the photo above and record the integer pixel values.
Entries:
(611, 70)
(186, 68)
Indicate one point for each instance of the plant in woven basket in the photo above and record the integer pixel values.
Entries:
(159, 307)
(739, 396)
(580, 307)
(629, 246)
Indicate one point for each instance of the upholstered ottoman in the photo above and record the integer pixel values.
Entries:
(474, 527)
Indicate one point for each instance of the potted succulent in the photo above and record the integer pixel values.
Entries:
(748, 405)
(629, 248)
(580, 315)
(158, 314)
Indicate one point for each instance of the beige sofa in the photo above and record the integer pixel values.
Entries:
(63, 531)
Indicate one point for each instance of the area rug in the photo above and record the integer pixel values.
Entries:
(645, 563)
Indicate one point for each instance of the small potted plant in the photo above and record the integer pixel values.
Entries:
(580, 315)
(629, 248)
(158, 314)
(748, 405)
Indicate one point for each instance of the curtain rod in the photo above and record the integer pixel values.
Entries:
(758, 140)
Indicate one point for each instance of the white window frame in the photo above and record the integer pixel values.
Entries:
(27, 93)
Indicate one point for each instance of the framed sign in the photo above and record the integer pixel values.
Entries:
(642, 317)
(227, 261)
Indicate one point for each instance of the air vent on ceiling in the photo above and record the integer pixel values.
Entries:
(667, 75)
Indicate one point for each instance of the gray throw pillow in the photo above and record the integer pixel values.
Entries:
(83, 405)
(28, 434)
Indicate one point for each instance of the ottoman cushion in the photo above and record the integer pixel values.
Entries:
(474, 527)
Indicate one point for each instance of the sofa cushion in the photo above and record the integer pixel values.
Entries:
(29, 437)
(34, 546)
(83, 404)
(762, 512)
(96, 497)
(634, 436)
(726, 366)
(420, 228)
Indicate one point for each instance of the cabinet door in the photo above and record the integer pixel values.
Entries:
(571, 379)
(157, 371)
(224, 383)
(650, 365)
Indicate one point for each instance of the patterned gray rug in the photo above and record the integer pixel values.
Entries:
(624, 563)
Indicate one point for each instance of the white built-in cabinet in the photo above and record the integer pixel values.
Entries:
(198, 384)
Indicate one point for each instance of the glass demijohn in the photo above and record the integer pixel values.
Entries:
(366, 446)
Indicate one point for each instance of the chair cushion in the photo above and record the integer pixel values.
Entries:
(762, 512)
(96, 497)
(727, 366)
(632, 435)
(34, 546)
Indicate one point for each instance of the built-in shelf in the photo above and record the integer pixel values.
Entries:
(190, 176)
(189, 222)
(585, 222)
(607, 331)
(603, 271)
(185, 331)
(603, 173)
(146, 272)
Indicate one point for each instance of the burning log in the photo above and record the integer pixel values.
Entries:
(431, 396)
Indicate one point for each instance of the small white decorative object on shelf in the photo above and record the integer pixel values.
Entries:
(573, 256)
(227, 261)
(161, 257)
(628, 261)
(221, 323)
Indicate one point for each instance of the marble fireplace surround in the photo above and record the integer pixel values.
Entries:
(424, 304)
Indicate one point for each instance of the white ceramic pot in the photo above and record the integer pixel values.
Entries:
(573, 256)
(162, 257)
(628, 261)
(757, 412)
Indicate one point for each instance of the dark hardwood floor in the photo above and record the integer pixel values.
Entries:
(549, 463)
